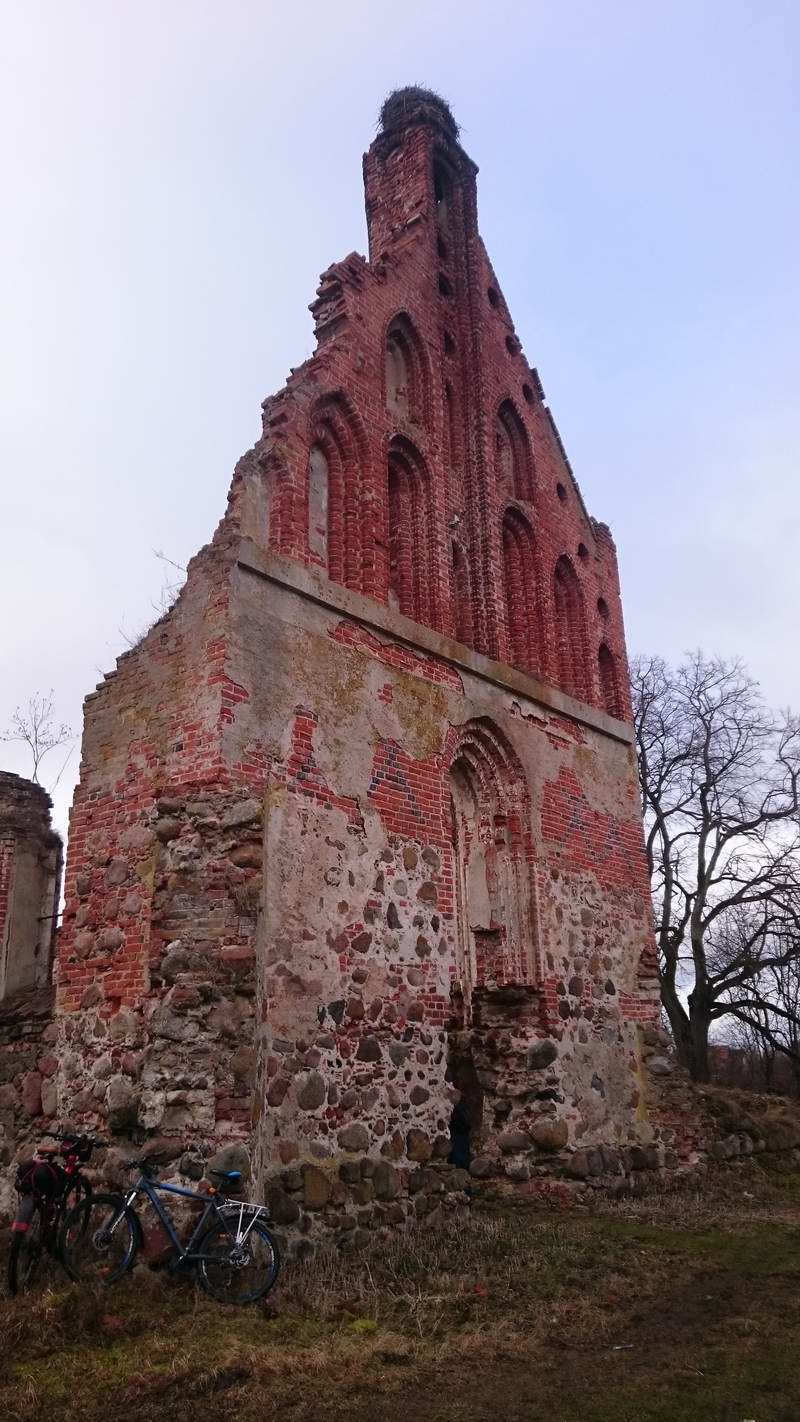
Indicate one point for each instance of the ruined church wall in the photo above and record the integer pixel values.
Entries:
(324, 857)
(357, 943)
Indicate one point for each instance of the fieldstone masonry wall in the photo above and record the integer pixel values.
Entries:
(359, 819)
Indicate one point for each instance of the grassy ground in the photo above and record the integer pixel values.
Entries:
(672, 1307)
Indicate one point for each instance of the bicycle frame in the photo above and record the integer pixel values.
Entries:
(149, 1188)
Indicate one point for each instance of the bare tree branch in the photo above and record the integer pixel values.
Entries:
(35, 726)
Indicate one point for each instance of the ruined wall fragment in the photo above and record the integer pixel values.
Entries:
(358, 819)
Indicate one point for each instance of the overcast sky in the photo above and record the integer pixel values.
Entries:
(176, 176)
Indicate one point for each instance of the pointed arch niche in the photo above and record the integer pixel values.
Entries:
(513, 458)
(493, 859)
(521, 594)
(276, 498)
(570, 631)
(609, 682)
(412, 581)
(336, 501)
(407, 383)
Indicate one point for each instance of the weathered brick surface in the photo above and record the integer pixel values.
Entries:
(364, 802)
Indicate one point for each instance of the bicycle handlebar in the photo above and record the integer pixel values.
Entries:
(146, 1166)
(77, 1139)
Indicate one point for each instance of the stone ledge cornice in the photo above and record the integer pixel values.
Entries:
(310, 584)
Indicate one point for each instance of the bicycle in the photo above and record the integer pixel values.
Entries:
(235, 1256)
(48, 1191)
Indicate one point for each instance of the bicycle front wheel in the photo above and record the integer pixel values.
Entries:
(100, 1240)
(238, 1270)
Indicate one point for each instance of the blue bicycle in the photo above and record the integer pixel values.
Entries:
(234, 1254)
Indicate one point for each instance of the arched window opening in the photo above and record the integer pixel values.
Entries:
(513, 459)
(396, 377)
(337, 509)
(461, 595)
(318, 487)
(400, 568)
(442, 191)
(411, 552)
(609, 682)
(495, 903)
(570, 635)
(504, 461)
(406, 372)
(521, 593)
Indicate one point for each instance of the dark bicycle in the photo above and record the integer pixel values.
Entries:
(50, 1185)
(234, 1254)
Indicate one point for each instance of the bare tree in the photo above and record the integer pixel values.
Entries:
(770, 1010)
(755, 1055)
(35, 726)
(719, 776)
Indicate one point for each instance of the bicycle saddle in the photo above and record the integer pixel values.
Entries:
(231, 1177)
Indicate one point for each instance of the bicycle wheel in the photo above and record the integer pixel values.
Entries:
(239, 1271)
(100, 1239)
(25, 1255)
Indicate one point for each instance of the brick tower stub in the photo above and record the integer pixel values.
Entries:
(359, 815)
(30, 882)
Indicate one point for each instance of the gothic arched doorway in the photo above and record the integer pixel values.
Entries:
(493, 862)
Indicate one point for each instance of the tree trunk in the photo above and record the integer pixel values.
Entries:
(768, 1059)
(678, 1021)
(700, 1022)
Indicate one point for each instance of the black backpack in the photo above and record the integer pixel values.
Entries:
(42, 1178)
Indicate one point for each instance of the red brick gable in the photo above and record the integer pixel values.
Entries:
(413, 457)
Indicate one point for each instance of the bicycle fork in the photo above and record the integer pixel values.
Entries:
(239, 1239)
